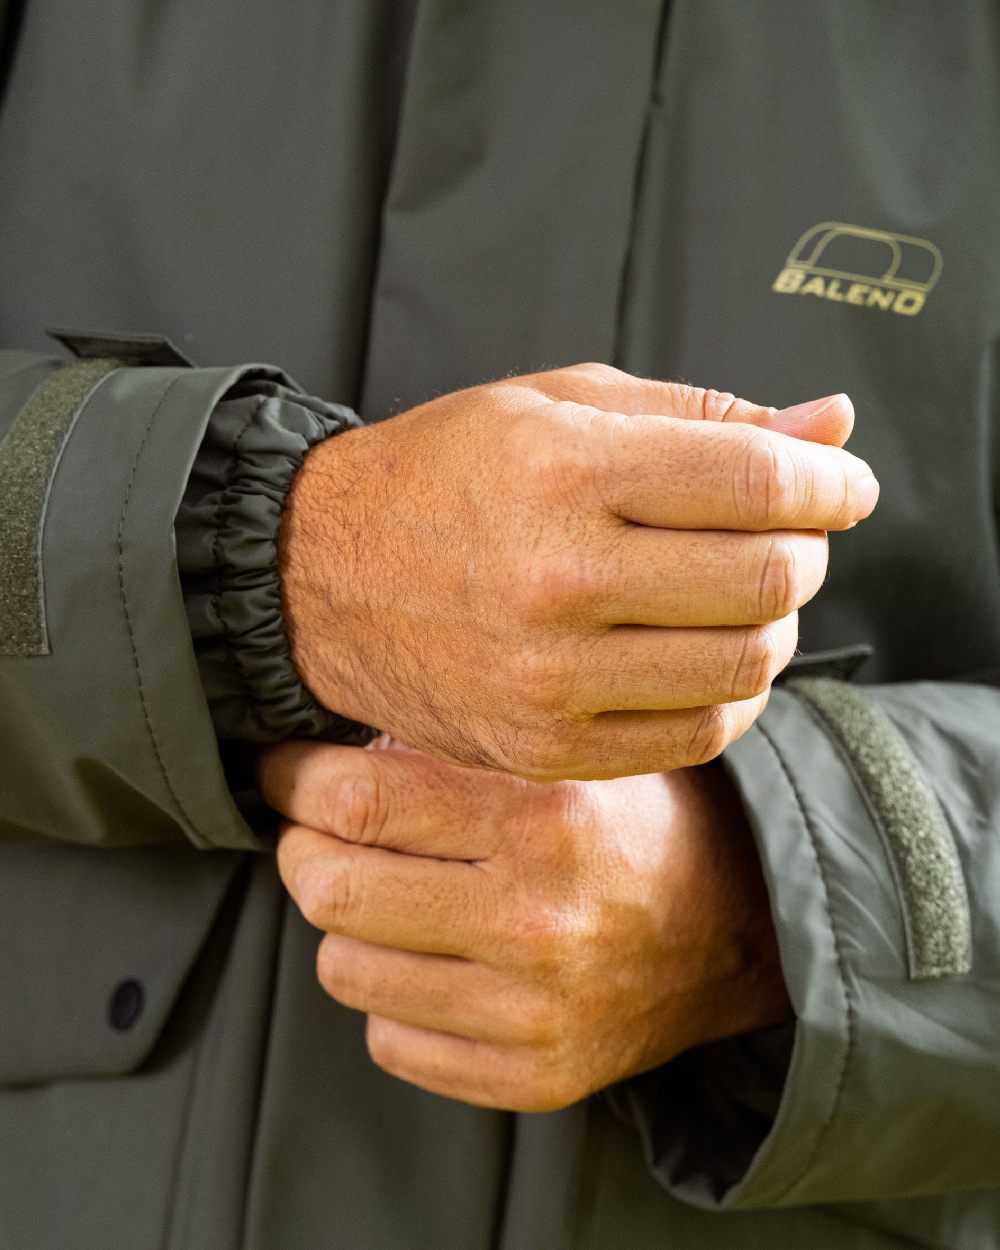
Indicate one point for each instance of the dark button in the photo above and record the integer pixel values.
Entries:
(126, 1004)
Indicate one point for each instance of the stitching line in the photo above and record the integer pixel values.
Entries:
(849, 1009)
(195, 836)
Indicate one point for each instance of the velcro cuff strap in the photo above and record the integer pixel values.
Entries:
(920, 846)
(29, 456)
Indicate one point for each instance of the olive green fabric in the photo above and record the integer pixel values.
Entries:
(107, 740)
(155, 911)
(560, 187)
(156, 1153)
(227, 528)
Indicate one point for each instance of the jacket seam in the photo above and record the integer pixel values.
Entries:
(144, 702)
(848, 1003)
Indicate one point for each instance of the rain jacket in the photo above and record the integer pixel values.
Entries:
(389, 202)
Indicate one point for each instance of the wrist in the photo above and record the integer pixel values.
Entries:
(317, 559)
(751, 991)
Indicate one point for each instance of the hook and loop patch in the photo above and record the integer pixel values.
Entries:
(919, 842)
(29, 457)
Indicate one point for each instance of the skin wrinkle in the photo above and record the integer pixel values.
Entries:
(599, 934)
(626, 921)
(387, 629)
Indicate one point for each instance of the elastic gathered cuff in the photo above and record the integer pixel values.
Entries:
(226, 530)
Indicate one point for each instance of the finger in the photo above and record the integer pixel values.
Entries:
(479, 1073)
(640, 668)
(622, 744)
(700, 475)
(438, 992)
(442, 907)
(609, 389)
(703, 577)
(828, 420)
(395, 798)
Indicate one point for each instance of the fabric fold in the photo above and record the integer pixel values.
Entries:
(227, 531)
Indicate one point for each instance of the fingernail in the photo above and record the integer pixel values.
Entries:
(804, 412)
(868, 491)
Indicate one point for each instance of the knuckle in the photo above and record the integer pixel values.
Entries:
(714, 405)
(539, 941)
(288, 860)
(525, 441)
(326, 971)
(381, 1048)
(551, 755)
(327, 897)
(593, 385)
(780, 588)
(768, 485)
(544, 1087)
(309, 897)
(549, 941)
(538, 1023)
(332, 972)
(757, 663)
(540, 678)
(360, 808)
(595, 372)
(565, 810)
(708, 737)
(551, 460)
(533, 450)
(548, 584)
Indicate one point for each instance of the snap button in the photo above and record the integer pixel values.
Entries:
(126, 1004)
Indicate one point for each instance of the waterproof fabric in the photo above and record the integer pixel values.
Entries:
(783, 200)
(227, 529)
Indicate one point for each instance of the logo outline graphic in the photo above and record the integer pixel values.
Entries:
(897, 287)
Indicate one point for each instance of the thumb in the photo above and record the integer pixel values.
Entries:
(829, 420)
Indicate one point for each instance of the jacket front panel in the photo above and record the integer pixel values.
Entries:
(561, 188)
(806, 167)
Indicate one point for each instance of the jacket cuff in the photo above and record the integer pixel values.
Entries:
(110, 740)
(226, 529)
(871, 910)
(776, 766)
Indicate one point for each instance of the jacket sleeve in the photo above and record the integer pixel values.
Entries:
(108, 738)
(876, 811)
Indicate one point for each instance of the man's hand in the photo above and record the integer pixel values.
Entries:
(520, 945)
(572, 574)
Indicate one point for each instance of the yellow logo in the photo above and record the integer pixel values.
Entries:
(867, 268)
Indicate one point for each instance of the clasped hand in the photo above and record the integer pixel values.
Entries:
(573, 574)
(519, 945)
